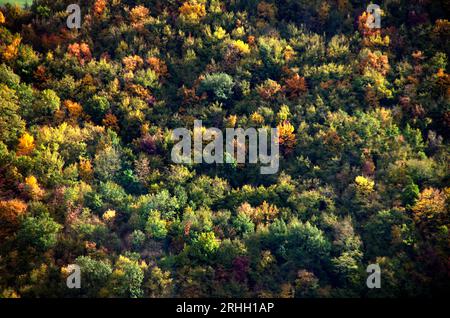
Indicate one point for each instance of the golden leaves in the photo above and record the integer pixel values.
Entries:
(10, 211)
(191, 11)
(363, 24)
(74, 109)
(31, 188)
(256, 118)
(109, 215)
(10, 214)
(26, 145)
(85, 170)
(132, 62)
(231, 121)
(431, 203)
(364, 185)
(99, 7)
(376, 61)
(139, 15)
(442, 28)
(265, 213)
(158, 66)
(286, 137)
(242, 47)
(10, 51)
(268, 89)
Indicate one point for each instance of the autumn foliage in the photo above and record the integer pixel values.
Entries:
(87, 170)
(10, 213)
(295, 86)
(269, 89)
(99, 6)
(26, 145)
(138, 16)
(192, 11)
(11, 50)
(287, 138)
(81, 51)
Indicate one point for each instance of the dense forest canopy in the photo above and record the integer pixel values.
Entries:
(86, 177)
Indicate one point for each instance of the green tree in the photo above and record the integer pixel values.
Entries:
(107, 163)
(94, 275)
(97, 107)
(204, 246)
(47, 102)
(11, 124)
(159, 283)
(127, 278)
(39, 232)
(156, 227)
(410, 194)
(217, 85)
(243, 224)
(137, 239)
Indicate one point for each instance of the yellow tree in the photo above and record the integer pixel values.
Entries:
(32, 189)
(11, 50)
(139, 15)
(74, 109)
(10, 213)
(256, 118)
(85, 170)
(231, 121)
(431, 210)
(286, 137)
(26, 145)
(364, 185)
(132, 62)
(192, 11)
(266, 213)
(99, 7)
